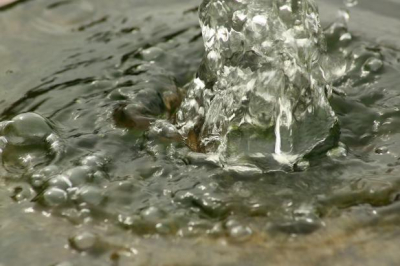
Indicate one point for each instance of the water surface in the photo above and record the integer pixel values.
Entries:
(83, 182)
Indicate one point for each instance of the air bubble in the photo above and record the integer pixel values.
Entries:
(152, 53)
(302, 165)
(37, 180)
(164, 130)
(238, 19)
(216, 230)
(127, 220)
(152, 214)
(21, 192)
(126, 186)
(241, 190)
(26, 129)
(30, 141)
(163, 228)
(350, 3)
(55, 197)
(338, 152)
(373, 65)
(65, 263)
(61, 182)
(91, 195)
(94, 161)
(79, 175)
(240, 233)
(346, 37)
(100, 178)
(83, 241)
(382, 150)
(344, 15)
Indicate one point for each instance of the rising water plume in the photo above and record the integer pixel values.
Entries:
(261, 92)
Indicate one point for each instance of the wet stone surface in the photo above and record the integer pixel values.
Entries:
(93, 172)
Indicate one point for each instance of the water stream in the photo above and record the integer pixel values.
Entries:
(262, 90)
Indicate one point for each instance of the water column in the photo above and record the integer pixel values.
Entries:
(260, 93)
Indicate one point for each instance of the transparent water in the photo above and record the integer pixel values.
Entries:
(262, 89)
(85, 182)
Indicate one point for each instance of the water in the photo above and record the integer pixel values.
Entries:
(84, 178)
(262, 90)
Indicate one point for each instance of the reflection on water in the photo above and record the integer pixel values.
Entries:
(82, 81)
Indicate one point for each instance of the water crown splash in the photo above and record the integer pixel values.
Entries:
(261, 92)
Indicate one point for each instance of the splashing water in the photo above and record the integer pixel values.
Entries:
(81, 174)
(261, 93)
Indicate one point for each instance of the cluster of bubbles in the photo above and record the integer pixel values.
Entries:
(32, 148)
(82, 184)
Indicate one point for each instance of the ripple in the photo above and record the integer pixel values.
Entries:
(62, 18)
